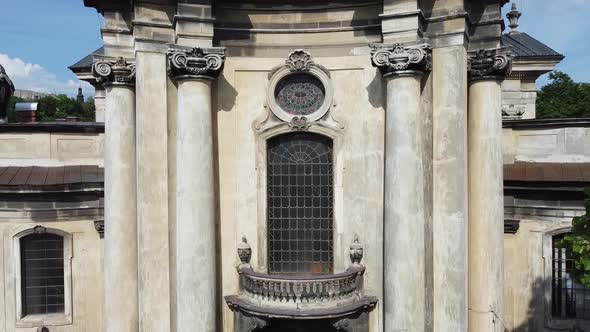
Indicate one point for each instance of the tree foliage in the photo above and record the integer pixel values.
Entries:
(577, 244)
(52, 107)
(563, 98)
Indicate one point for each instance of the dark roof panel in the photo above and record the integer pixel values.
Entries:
(547, 172)
(87, 61)
(44, 176)
(523, 45)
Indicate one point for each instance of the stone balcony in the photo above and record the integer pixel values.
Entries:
(338, 297)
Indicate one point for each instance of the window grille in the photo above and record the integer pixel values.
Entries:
(300, 204)
(569, 298)
(42, 274)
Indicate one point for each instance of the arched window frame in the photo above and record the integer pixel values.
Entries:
(333, 132)
(38, 320)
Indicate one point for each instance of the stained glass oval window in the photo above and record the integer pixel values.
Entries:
(300, 94)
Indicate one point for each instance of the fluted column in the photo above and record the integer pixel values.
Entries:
(487, 68)
(196, 280)
(120, 255)
(403, 203)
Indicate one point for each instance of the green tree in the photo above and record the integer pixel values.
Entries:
(62, 106)
(563, 98)
(577, 244)
(10, 111)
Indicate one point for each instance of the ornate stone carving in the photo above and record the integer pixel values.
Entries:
(299, 60)
(6, 91)
(493, 63)
(343, 325)
(196, 63)
(99, 226)
(398, 58)
(245, 253)
(356, 252)
(299, 123)
(511, 112)
(119, 72)
(39, 230)
(256, 323)
(513, 15)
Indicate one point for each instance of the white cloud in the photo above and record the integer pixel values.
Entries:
(31, 76)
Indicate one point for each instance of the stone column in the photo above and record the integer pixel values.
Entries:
(486, 206)
(120, 255)
(404, 210)
(196, 279)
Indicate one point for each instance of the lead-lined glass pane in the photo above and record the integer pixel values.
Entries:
(42, 274)
(300, 204)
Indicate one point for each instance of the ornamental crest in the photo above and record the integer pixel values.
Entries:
(398, 57)
(196, 62)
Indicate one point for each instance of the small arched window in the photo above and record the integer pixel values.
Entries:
(42, 273)
(300, 204)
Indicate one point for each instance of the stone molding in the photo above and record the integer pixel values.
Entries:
(400, 59)
(512, 112)
(511, 226)
(114, 72)
(195, 63)
(486, 64)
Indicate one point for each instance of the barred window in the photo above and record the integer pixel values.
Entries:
(569, 299)
(300, 204)
(42, 274)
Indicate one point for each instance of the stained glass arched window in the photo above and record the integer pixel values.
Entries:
(300, 204)
(300, 94)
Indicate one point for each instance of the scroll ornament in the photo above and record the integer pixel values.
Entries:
(197, 62)
(396, 58)
(489, 63)
(119, 72)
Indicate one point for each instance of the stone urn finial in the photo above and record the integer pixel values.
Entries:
(245, 253)
(356, 252)
(513, 16)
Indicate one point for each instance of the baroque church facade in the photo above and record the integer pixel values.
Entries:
(298, 166)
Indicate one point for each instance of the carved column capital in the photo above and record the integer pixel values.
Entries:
(195, 63)
(486, 64)
(114, 72)
(400, 59)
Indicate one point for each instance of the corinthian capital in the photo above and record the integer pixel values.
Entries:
(398, 58)
(114, 72)
(196, 63)
(489, 64)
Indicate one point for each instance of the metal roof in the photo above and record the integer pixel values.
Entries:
(50, 176)
(86, 62)
(26, 107)
(523, 46)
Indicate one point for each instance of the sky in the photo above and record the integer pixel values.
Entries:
(39, 39)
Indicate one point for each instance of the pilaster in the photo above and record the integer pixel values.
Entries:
(404, 200)
(401, 21)
(194, 23)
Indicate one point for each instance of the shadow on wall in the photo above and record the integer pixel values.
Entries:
(535, 317)
(534, 320)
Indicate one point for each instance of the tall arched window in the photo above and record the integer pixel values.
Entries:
(300, 204)
(42, 274)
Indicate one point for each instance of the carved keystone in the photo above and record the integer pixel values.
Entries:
(356, 252)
